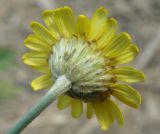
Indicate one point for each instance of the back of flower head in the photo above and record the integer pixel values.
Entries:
(89, 53)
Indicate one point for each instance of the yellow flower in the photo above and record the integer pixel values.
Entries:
(89, 52)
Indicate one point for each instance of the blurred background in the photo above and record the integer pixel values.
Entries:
(140, 18)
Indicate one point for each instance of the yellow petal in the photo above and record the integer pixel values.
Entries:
(89, 111)
(64, 101)
(118, 44)
(42, 82)
(65, 21)
(107, 108)
(36, 61)
(34, 54)
(98, 23)
(128, 74)
(108, 34)
(43, 33)
(36, 44)
(102, 115)
(115, 111)
(48, 17)
(83, 25)
(126, 94)
(42, 69)
(77, 108)
(126, 56)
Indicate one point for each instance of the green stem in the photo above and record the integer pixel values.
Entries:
(61, 85)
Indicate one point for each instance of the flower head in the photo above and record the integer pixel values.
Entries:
(89, 52)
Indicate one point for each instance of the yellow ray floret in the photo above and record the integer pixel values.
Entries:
(83, 25)
(98, 23)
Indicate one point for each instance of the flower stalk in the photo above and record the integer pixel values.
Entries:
(61, 85)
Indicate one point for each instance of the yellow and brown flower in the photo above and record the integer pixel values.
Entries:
(89, 52)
